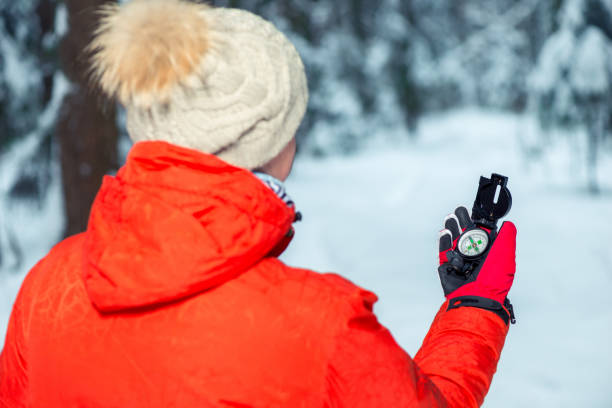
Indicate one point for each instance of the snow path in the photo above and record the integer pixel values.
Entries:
(374, 218)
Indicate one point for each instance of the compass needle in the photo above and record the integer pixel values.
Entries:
(473, 242)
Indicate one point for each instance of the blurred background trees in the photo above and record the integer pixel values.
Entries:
(571, 85)
(50, 115)
(374, 68)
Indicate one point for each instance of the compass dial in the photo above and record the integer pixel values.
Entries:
(473, 242)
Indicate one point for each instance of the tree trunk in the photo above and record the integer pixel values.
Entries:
(86, 131)
(595, 131)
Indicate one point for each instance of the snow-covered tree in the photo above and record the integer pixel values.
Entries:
(28, 41)
(54, 132)
(572, 83)
(476, 52)
(27, 67)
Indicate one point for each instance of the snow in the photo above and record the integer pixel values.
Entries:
(572, 14)
(374, 218)
(572, 80)
(61, 20)
(589, 74)
(584, 52)
(34, 226)
(555, 56)
(15, 64)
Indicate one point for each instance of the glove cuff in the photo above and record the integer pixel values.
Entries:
(505, 311)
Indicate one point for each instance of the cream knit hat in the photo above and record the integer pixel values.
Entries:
(222, 81)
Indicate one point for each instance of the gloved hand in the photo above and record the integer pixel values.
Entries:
(487, 284)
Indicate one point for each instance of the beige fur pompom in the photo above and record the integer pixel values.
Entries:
(143, 49)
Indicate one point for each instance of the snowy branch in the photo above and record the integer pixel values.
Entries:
(476, 42)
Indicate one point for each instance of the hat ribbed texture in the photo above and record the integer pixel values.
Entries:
(243, 101)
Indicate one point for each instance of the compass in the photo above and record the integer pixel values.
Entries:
(473, 243)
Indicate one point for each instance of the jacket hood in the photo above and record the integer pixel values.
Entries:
(174, 222)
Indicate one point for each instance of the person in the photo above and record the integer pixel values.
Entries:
(175, 296)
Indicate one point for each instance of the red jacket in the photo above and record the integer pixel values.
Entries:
(172, 299)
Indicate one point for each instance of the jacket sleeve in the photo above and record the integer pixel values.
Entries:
(13, 377)
(460, 353)
(453, 368)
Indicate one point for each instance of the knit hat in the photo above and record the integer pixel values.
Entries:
(221, 81)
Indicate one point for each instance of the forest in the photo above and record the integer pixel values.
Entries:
(374, 69)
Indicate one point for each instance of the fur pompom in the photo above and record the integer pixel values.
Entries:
(143, 49)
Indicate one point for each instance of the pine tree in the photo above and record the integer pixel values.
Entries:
(50, 127)
(28, 103)
(572, 83)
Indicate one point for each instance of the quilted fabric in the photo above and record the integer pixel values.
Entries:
(173, 298)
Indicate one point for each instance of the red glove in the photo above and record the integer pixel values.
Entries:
(486, 282)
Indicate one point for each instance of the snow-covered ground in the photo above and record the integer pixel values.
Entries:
(374, 218)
